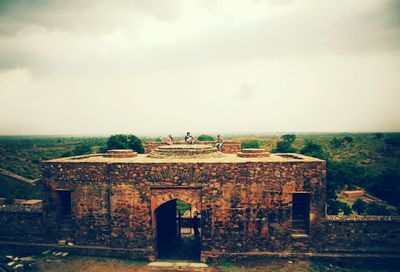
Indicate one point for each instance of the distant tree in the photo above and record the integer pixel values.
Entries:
(335, 207)
(135, 143)
(103, 149)
(284, 147)
(67, 153)
(345, 208)
(82, 149)
(393, 140)
(374, 208)
(385, 184)
(205, 138)
(378, 135)
(158, 139)
(312, 149)
(290, 138)
(10, 199)
(122, 141)
(337, 142)
(250, 144)
(359, 206)
(348, 139)
(118, 141)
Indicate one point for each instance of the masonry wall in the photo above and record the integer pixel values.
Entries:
(21, 224)
(362, 234)
(245, 206)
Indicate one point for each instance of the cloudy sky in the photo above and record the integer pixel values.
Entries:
(154, 67)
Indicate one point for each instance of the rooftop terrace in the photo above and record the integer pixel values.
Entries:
(186, 154)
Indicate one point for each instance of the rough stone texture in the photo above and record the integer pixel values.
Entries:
(362, 234)
(230, 147)
(245, 204)
(253, 153)
(21, 224)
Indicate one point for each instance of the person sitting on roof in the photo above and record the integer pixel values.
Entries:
(170, 140)
(219, 143)
(189, 138)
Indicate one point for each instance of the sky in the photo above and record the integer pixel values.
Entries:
(152, 67)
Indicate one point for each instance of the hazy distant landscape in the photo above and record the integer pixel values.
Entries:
(367, 160)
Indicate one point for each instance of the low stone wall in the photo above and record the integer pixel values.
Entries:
(230, 147)
(362, 234)
(19, 223)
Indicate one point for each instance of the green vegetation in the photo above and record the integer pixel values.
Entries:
(82, 149)
(312, 149)
(121, 141)
(359, 206)
(205, 138)
(250, 144)
(367, 160)
(182, 206)
(286, 144)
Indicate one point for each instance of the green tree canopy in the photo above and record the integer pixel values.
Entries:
(204, 138)
(82, 149)
(290, 138)
(348, 139)
(250, 144)
(312, 149)
(359, 206)
(337, 142)
(284, 147)
(122, 141)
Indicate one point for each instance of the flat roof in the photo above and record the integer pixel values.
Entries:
(221, 158)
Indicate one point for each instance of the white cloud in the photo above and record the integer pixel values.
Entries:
(144, 66)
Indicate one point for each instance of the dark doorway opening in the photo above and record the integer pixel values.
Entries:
(178, 231)
(301, 213)
(65, 203)
(64, 214)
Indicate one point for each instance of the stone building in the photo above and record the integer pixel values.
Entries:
(247, 203)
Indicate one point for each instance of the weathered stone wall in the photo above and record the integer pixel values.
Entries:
(229, 147)
(21, 223)
(362, 234)
(245, 206)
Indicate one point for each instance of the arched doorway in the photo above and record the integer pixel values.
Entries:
(178, 231)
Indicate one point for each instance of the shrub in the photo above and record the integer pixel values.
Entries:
(10, 199)
(250, 144)
(312, 149)
(82, 149)
(122, 141)
(335, 207)
(374, 208)
(348, 139)
(284, 147)
(337, 142)
(359, 206)
(204, 138)
(290, 138)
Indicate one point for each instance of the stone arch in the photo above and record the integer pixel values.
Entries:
(162, 196)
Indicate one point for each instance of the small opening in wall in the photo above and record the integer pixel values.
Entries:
(65, 203)
(301, 213)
